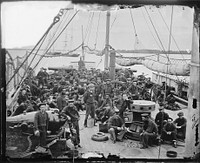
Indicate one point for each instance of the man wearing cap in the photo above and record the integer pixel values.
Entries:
(108, 88)
(98, 88)
(61, 102)
(40, 77)
(89, 101)
(180, 123)
(115, 127)
(169, 132)
(149, 131)
(41, 122)
(71, 111)
(161, 118)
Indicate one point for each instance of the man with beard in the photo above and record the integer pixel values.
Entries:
(98, 88)
(108, 88)
(149, 131)
(89, 101)
(71, 111)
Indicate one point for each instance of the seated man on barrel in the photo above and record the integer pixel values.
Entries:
(149, 132)
(116, 127)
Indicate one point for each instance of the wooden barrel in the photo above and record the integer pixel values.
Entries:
(142, 106)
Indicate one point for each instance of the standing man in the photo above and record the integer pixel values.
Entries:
(161, 118)
(41, 122)
(81, 64)
(71, 111)
(149, 132)
(89, 101)
(40, 77)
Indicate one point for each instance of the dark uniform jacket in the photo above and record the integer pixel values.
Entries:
(150, 126)
(71, 112)
(160, 117)
(89, 98)
(169, 127)
(115, 121)
(41, 120)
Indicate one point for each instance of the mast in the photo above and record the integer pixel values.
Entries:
(192, 148)
(83, 54)
(112, 65)
(107, 40)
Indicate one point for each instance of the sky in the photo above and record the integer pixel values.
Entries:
(24, 23)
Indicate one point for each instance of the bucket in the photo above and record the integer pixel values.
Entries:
(90, 122)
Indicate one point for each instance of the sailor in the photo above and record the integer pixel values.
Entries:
(149, 131)
(81, 64)
(40, 77)
(61, 102)
(169, 132)
(180, 123)
(115, 126)
(41, 122)
(108, 88)
(161, 118)
(124, 104)
(105, 74)
(89, 101)
(98, 88)
(46, 76)
(71, 111)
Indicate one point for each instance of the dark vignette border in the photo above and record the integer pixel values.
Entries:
(190, 3)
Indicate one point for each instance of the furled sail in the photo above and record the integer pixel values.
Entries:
(59, 54)
(128, 61)
(180, 69)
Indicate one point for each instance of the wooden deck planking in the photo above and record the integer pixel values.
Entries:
(128, 148)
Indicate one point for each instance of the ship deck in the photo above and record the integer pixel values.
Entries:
(128, 148)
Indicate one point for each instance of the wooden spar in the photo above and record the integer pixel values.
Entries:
(192, 148)
(112, 65)
(83, 54)
(107, 40)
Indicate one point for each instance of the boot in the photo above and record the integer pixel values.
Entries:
(85, 123)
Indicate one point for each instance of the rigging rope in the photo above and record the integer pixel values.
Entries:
(56, 39)
(156, 32)
(56, 30)
(97, 31)
(114, 20)
(171, 35)
(22, 78)
(150, 30)
(56, 19)
(133, 23)
(91, 23)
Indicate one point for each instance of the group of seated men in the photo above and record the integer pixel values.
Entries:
(108, 105)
